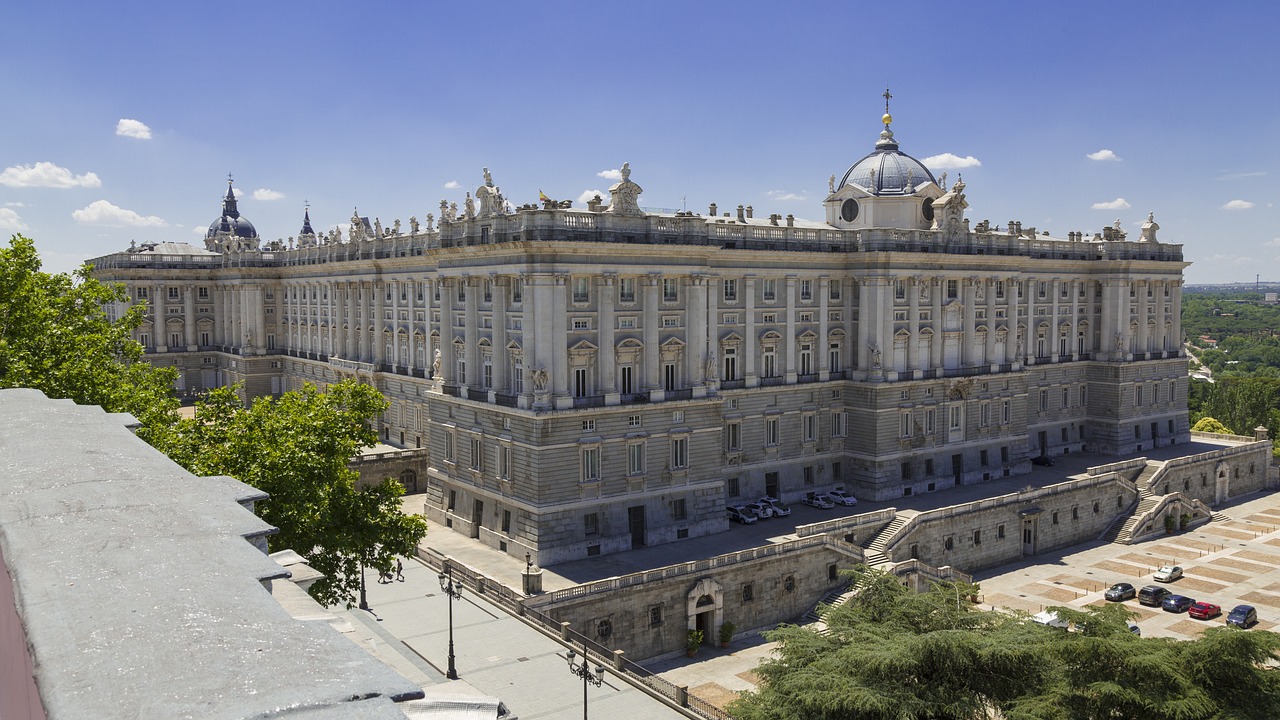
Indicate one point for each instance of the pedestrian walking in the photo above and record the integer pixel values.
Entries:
(399, 570)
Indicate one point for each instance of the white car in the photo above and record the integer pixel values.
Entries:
(740, 514)
(1049, 618)
(779, 510)
(764, 511)
(841, 497)
(818, 500)
(1167, 573)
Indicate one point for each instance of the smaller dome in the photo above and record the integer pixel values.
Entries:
(888, 172)
(230, 221)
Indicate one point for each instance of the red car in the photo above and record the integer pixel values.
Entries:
(1204, 611)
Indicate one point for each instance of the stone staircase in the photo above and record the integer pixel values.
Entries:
(1221, 517)
(1122, 532)
(875, 552)
(833, 598)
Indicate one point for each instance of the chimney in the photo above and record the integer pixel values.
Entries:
(791, 220)
(713, 210)
(740, 217)
(749, 212)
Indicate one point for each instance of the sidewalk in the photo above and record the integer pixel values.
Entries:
(497, 655)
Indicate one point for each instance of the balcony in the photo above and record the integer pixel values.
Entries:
(589, 401)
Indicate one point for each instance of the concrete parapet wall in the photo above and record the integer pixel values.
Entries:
(864, 524)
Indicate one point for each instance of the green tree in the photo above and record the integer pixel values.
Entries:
(56, 336)
(892, 653)
(296, 449)
(1207, 424)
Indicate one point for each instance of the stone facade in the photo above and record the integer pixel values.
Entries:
(588, 381)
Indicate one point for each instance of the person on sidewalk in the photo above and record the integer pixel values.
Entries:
(399, 570)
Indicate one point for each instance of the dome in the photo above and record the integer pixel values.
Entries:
(895, 172)
(230, 221)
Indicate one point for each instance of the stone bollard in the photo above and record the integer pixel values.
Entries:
(564, 630)
(682, 695)
(617, 660)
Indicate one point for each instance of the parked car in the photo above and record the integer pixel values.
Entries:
(1049, 618)
(1153, 595)
(840, 497)
(1204, 611)
(1044, 460)
(1177, 603)
(762, 510)
(1133, 628)
(1242, 616)
(818, 500)
(778, 508)
(740, 514)
(1167, 573)
(1120, 592)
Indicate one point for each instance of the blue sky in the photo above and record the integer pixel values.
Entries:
(124, 118)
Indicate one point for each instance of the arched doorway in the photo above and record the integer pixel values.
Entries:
(706, 609)
(1221, 489)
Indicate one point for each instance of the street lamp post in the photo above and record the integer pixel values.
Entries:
(453, 592)
(584, 672)
(364, 603)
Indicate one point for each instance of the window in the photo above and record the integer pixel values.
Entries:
(732, 487)
(1044, 400)
(580, 324)
(517, 291)
(805, 317)
(504, 462)
(448, 446)
(730, 290)
(591, 524)
(140, 293)
(477, 454)
(1055, 517)
(581, 289)
(771, 431)
(679, 452)
(833, 290)
(733, 437)
(953, 290)
(506, 521)
(833, 357)
(590, 464)
(173, 293)
(670, 321)
(748, 592)
(768, 289)
(810, 473)
(769, 360)
(809, 426)
(984, 414)
(1000, 532)
(806, 290)
(588, 425)
(930, 421)
(670, 290)
(203, 293)
(955, 417)
(1137, 395)
(904, 425)
(626, 290)
(626, 323)
(679, 511)
(999, 289)
(729, 319)
(837, 472)
(633, 421)
(1004, 412)
(453, 499)
(768, 318)
(655, 615)
(977, 537)
(635, 459)
(174, 339)
(899, 290)
(204, 338)
(839, 423)
(677, 416)
(1083, 395)
(1066, 398)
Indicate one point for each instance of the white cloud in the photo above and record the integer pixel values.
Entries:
(1241, 175)
(588, 194)
(1117, 204)
(15, 204)
(265, 194)
(133, 128)
(1104, 155)
(614, 174)
(237, 192)
(199, 230)
(1231, 259)
(101, 212)
(948, 161)
(452, 185)
(1238, 205)
(1274, 241)
(784, 195)
(10, 222)
(46, 175)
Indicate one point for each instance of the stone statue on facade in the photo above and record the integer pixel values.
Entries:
(831, 184)
(625, 195)
(357, 226)
(395, 227)
(712, 367)
(875, 356)
(539, 377)
(413, 224)
(435, 364)
(453, 211)
(377, 229)
(488, 179)
(444, 211)
(470, 205)
(431, 219)
(1149, 228)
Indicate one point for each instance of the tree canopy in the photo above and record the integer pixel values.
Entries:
(57, 336)
(891, 653)
(1207, 424)
(296, 449)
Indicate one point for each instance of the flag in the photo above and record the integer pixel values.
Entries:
(543, 196)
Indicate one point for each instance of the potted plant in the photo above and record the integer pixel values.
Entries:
(1183, 521)
(1169, 524)
(693, 643)
(726, 633)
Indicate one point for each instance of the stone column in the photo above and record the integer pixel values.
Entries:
(260, 316)
(791, 307)
(428, 307)
(992, 324)
(500, 299)
(651, 323)
(379, 324)
(1143, 310)
(1175, 309)
(750, 343)
(237, 316)
(189, 316)
(559, 348)
(937, 288)
(159, 327)
(696, 332)
(1055, 289)
(396, 287)
(710, 323)
(824, 290)
(1029, 349)
(606, 355)
(865, 319)
(969, 289)
(1161, 316)
(448, 300)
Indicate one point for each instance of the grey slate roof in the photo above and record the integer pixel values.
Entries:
(140, 589)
